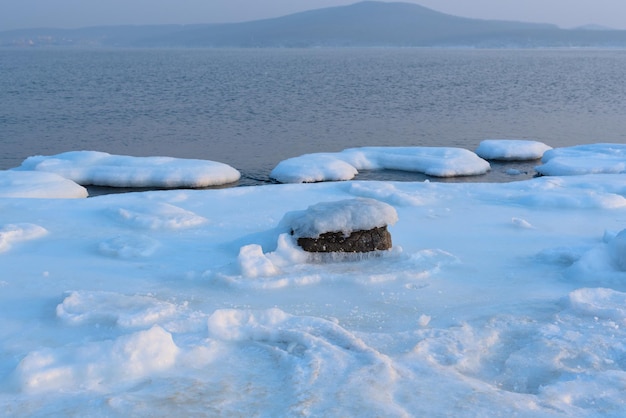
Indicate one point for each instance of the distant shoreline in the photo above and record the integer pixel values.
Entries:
(365, 24)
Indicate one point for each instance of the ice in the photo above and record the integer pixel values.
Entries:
(584, 159)
(102, 169)
(30, 184)
(499, 299)
(344, 165)
(511, 149)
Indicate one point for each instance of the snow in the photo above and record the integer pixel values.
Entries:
(11, 233)
(511, 149)
(345, 165)
(99, 365)
(33, 184)
(584, 159)
(102, 169)
(503, 299)
(343, 216)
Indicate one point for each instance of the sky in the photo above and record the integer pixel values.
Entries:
(16, 14)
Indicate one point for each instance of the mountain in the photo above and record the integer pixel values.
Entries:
(364, 24)
(592, 26)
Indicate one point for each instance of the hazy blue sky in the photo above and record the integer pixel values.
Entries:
(77, 13)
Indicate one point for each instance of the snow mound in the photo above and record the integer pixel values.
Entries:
(31, 184)
(98, 365)
(343, 216)
(12, 233)
(600, 264)
(311, 168)
(584, 159)
(102, 169)
(100, 307)
(254, 263)
(290, 266)
(157, 216)
(344, 165)
(511, 149)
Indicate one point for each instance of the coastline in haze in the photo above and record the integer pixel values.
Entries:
(363, 24)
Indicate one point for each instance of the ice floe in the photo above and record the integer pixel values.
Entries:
(344, 165)
(511, 149)
(584, 159)
(32, 184)
(103, 169)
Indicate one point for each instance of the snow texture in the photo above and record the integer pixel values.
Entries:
(343, 216)
(12, 233)
(511, 149)
(102, 169)
(500, 299)
(345, 165)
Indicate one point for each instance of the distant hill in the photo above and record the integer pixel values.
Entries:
(592, 26)
(364, 24)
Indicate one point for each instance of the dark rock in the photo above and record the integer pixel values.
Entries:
(376, 239)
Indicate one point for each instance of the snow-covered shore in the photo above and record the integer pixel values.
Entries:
(496, 300)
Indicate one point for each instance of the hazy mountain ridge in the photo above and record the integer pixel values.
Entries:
(363, 24)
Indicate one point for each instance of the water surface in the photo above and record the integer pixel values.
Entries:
(253, 108)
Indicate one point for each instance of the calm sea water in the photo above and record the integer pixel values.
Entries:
(254, 108)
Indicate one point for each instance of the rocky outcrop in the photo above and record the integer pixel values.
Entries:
(376, 239)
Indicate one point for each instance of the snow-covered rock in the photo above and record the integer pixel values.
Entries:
(353, 226)
(343, 216)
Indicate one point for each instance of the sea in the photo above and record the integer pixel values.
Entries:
(252, 108)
